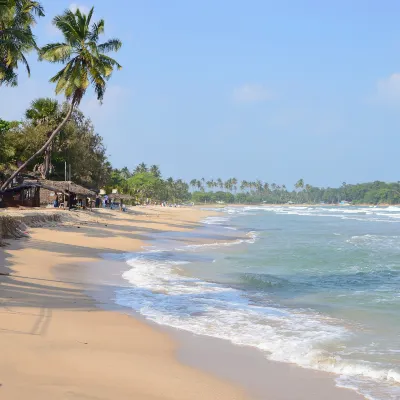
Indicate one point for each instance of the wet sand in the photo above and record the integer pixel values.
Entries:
(64, 338)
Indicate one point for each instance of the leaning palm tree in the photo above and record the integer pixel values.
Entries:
(86, 62)
(16, 38)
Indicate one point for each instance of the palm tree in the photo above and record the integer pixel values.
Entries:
(299, 186)
(308, 188)
(200, 186)
(44, 111)
(86, 61)
(220, 183)
(141, 168)
(243, 185)
(16, 38)
(155, 170)
(234, 183)
(125, 173)
(228, 185)
(193, 183)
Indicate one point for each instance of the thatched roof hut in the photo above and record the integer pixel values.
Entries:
(119, 196)
(66, 187)
(27, 194)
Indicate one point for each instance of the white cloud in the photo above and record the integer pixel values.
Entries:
(84, 9)
(388, 90)
(251, 93)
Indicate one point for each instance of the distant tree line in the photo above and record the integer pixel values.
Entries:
(250, 192)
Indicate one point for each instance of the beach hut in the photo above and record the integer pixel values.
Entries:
(122, 199)
(75, 195)
(26, 194)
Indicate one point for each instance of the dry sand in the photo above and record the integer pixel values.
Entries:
(57, 344)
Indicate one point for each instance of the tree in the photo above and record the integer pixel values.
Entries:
(200, 186)
(308, 190)
(7, 148)
(142, 167)
(86, 61)
(299, 185)
(155, 170)
(45, 111)
(234, 183)
(144, 185)
(16, 38)
(193, 183)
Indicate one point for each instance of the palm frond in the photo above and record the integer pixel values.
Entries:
(86, 62)
(56, 52)
(110, 61)
(110, 45)
(25, 62)
(97, 30)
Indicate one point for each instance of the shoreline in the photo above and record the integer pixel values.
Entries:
(58, 343)
(207, 358)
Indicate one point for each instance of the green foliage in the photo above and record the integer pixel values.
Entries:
(86, 60)
(147, 185)
(43, 110)
(259, 192)
(17, 17)
(7, 149)
(78, 145)
(211, 197)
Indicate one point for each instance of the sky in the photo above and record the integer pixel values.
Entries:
(260, 89)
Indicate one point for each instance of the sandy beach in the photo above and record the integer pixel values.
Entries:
(58, 344)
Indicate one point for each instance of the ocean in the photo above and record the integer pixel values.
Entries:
(314, 286)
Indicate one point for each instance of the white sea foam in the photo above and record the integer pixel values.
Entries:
(165, 296)
(215, 220)
(162, 293)
(377, 214)
(376, 242)
(251, 238)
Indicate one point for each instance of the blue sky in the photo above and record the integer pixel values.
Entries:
(265, 90)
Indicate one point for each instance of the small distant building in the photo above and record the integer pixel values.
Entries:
(36, 193)
(73, 192)
(27, 194)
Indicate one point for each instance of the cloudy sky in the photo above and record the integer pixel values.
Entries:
(257, 90)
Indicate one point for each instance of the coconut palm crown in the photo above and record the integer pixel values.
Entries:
(86, 60)
(17, 17)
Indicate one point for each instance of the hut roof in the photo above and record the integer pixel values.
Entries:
(119, 196)
(30, 184)
(65, 186)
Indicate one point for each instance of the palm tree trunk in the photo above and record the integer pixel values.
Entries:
(47, 161)
(42, 149)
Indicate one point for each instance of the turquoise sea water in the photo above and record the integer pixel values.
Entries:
(314, 286)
